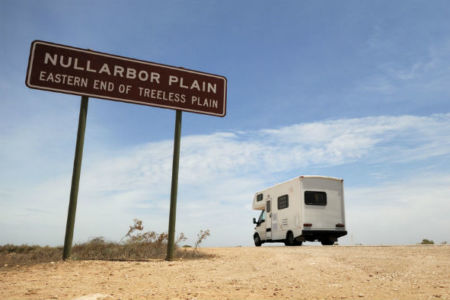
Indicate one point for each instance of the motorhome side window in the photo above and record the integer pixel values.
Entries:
(259, 197)
(283, 201)
(315, 198)
(268, 206)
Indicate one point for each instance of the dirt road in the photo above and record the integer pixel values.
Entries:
(335, 272)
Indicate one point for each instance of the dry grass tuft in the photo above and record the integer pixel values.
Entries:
(12, 255)
(135, 245)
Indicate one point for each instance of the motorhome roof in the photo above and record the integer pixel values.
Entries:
(318, 176)
(301, 177)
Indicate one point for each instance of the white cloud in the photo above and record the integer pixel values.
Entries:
(428, 73)
(220, 172)
(399, 212)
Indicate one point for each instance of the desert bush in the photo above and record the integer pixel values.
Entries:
(201, 236)
(12, 255)
(427, 242)
(135, 245)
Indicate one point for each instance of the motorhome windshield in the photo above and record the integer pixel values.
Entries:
(262, 217)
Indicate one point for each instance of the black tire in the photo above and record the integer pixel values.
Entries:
(297, 243)
(289, 241)
(257, 240)
(327, 242)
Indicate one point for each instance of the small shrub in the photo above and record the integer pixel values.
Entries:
(427, 242)
(201, 236)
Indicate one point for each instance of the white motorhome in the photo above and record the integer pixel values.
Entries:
(306, 208)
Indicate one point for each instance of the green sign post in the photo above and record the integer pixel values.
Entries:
(174, 187)
(75, 178)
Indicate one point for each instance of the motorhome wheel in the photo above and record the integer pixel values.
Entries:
(257, 240)
(289, 239)
(327, 242)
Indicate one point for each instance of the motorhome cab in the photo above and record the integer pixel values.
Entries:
(306, 208)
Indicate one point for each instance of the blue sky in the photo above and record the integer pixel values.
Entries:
(352, 89)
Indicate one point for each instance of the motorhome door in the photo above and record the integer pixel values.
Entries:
(268, 220)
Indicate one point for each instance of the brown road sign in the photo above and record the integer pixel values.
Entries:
(65, 69)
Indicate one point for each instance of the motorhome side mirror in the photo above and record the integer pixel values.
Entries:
(254, 220)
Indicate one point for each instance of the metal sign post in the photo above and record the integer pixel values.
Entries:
(174, 188)
(75, 178)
